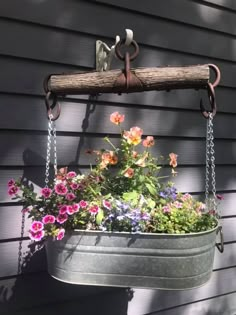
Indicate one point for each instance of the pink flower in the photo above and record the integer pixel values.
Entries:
(60, 234)
(11, 182)
(186, 197)
(70, 196)
(83, 204)
(13, 190)
(75, 207)
(117, 118)
(74, 186)
(106, 204)
(46, 192)
(63, 209)
(178, 204)
(166, 209)
(36, 236)
(36, 226)
(61, 218)
(70, 210)
(48, 219)
(94, 209)
(71, 175)
(61, 189)
(148, 142)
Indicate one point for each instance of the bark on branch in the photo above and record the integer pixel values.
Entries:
(142, 79)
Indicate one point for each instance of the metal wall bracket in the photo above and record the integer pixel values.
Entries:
(105, 54)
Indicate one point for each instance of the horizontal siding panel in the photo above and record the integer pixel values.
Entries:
(230, 4)
(73, 16)
(24, 293)
(48, 45)
(148, 301)
(80, 117)
(118, 303)
(11, 223)
(220, 305)
(199, 14)
(23, 149)
(189, 179)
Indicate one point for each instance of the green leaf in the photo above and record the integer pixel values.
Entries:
(151, 189)
(99, 217)
(129, 196)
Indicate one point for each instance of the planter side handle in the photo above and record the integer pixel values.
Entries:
(220, 246)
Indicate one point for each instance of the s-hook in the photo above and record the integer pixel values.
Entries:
(211, 93)
(52, 105)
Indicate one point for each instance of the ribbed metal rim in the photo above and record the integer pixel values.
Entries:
(147, 234)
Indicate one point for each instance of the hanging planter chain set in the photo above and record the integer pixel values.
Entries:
(164, 261)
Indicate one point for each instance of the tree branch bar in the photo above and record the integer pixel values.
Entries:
(145, 79)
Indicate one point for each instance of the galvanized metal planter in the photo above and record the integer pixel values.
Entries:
(164, 261)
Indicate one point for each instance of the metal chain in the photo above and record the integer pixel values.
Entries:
(19, 269)
(210, 165)
(55, 146)
(51, 133)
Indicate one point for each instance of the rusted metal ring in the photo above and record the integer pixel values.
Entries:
(122, 57)
(51, 103)
(217, 73)
(45, 83)
(212, 99)
(220, 246)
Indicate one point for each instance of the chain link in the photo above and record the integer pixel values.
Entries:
(19, 269)
(210, 166)
(51, 133)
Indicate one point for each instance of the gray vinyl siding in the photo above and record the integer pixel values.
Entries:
(43, 37)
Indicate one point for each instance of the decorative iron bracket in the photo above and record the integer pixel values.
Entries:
(105, 54)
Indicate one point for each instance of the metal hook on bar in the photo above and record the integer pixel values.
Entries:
(212, 99)
(217, 73)
(50, 107)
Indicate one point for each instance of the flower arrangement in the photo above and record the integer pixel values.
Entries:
(124, 192)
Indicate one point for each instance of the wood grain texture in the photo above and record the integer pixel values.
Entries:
(142, 79)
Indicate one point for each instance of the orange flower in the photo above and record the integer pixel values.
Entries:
(108, 158)
(173, 159)
(117, 118)
(133, 136)
(148, 142)
(129, 173)
(113, 158)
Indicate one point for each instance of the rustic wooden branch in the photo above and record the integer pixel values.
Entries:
(143, 79)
